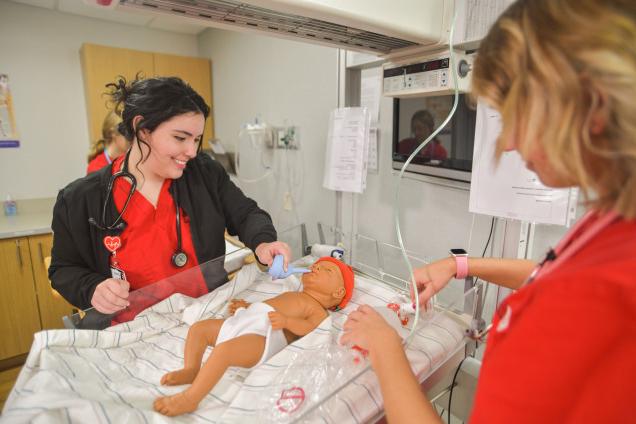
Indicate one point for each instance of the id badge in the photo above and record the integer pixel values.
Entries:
(117, 273)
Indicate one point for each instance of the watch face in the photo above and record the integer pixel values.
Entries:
(458, 252)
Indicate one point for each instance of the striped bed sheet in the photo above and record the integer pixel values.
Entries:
(112, 376)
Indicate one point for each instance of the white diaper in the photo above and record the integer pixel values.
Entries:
(254, 320)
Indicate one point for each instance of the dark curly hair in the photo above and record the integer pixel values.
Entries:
(156, 100)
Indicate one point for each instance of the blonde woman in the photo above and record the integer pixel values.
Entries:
(108, 148)
(562, 347)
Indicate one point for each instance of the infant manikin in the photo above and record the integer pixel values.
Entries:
(255, 332)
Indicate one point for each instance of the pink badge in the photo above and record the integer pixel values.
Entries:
(112, 243)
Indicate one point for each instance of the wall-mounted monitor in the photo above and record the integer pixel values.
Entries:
(450, 154)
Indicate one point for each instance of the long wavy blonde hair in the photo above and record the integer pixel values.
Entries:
(550, 67)
(109, 131)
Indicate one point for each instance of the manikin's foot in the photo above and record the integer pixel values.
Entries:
(182, 376)
(177, 404)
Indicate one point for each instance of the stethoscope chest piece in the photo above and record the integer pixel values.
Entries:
(179, 259)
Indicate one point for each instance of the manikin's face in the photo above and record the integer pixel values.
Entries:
(325, 278)
(174, 142)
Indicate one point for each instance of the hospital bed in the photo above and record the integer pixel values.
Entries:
(108, 376)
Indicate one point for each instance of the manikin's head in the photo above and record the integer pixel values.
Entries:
(331, 281)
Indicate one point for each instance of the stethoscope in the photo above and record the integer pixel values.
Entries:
(179, 257)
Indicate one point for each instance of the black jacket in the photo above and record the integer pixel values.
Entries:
(79, 260)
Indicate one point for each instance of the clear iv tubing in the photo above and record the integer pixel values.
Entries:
(236, 158)
(396, 205)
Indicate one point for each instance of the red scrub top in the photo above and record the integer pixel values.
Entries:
(562, 348)
(98, 162)
(147, 245)
(433, 150)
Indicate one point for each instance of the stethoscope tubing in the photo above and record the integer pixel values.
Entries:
(179, 258)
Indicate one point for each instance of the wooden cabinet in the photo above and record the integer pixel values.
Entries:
(51, 305)
(102, 65)
(197, 72)
(19, 317)
(27, 303)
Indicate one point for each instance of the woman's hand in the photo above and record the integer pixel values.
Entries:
(433, 277)
(111, 295)
(237, 304)
(368, 330)
(266, 252)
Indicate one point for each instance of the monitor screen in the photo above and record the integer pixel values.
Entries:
(450, 153)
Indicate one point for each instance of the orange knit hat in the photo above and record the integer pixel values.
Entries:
(347, 276)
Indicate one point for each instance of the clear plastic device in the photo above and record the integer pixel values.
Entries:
(313, 378)
(214, 273)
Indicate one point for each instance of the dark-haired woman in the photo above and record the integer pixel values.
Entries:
(158, 210)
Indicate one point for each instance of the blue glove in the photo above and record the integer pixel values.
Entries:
(277, 272)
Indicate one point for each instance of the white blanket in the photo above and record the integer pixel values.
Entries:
(113, 376)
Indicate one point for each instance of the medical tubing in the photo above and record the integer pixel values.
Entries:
(289, 181)
(236, 161)
(396, 205)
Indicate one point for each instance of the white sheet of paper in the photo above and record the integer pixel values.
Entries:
(509, 189)
(345, 162)
(370, 95)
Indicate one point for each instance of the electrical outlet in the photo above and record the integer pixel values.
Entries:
(287, 201)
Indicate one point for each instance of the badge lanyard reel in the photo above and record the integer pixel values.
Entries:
(179, 258)
(113, 243)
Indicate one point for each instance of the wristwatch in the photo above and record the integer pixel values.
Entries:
(461, 262)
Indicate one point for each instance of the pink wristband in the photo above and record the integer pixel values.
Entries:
(461, 262)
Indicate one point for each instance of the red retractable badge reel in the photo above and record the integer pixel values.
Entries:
(112, 243)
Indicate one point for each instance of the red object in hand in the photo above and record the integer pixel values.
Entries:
(363, 351)
(396, 308)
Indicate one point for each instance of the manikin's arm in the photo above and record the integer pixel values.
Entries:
(298, 326)
(236, 304)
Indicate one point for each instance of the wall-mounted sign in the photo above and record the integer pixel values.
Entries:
(8, 131)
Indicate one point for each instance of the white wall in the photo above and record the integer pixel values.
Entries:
(279, 81)
(40, 53)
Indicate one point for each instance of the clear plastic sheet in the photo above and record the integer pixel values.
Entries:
(336, 381)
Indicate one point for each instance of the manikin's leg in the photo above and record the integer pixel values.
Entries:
(201, 335)
(243, 351)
